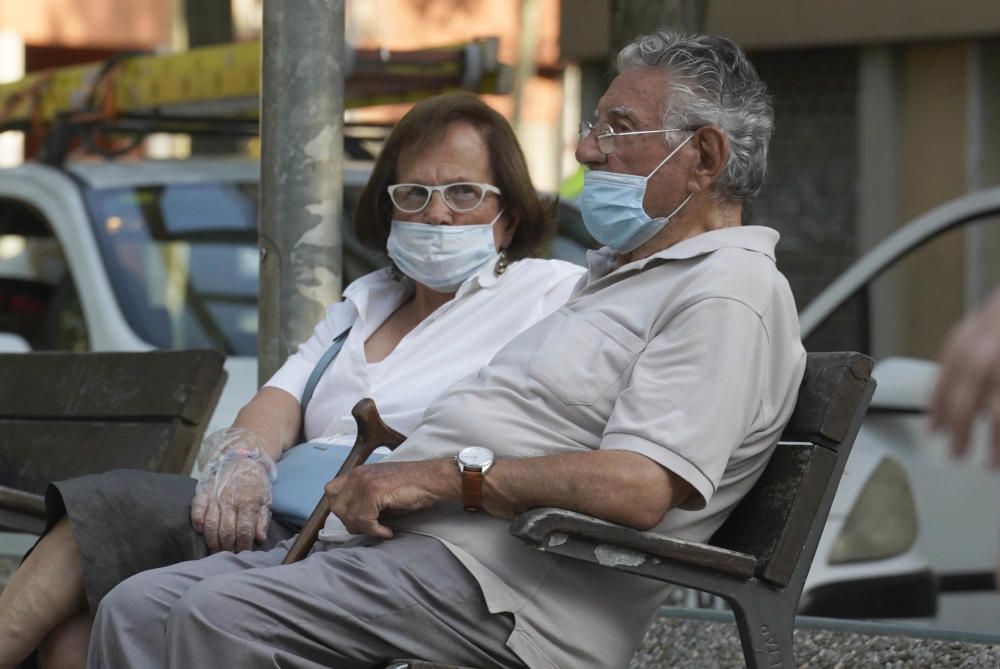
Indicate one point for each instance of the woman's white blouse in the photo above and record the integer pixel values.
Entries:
(454, 341)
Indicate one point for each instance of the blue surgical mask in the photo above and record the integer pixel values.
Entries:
(441, 257)
(612, 207)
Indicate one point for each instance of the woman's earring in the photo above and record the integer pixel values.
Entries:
(501, 265)
(394, 272)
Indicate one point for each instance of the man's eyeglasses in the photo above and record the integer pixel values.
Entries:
(462, 196)
(606, 136)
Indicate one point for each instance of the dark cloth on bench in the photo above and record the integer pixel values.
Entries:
(127, 521)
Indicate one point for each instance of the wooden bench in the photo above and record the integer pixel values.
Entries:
(69, 414)
(758, 560)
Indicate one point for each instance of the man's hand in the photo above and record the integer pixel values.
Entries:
(232, 507)
(969, 380)
(361, 496)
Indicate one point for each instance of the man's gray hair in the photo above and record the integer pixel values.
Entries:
(713, 83)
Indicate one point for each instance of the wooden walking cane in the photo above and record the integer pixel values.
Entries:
(372, 433)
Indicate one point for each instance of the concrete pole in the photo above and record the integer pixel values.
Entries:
(982, 239)
(527, 48)
(302, 125)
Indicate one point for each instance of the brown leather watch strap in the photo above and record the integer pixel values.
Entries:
(472, 490)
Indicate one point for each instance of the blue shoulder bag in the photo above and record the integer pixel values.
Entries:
(305, 468)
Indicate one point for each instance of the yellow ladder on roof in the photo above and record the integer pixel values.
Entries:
(224, 82)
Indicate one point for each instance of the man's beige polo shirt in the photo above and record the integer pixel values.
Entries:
(690, 357)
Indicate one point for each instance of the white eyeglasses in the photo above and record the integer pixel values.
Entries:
(462, 196)
(606, 134)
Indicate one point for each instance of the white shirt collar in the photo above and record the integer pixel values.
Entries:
(379, 288)
(376, 295)
(485, 278)
(756, 238)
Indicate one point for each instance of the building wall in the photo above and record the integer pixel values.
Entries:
(932, 165)
(867, 139)
(769, 24)
(812, 170)
(90, 23)
(885, 109)
(410, 24)
(929, 135)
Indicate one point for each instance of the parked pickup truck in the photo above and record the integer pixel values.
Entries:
(130, 256)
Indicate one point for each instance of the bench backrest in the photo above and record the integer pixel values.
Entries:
(784, 513)
(68, 414)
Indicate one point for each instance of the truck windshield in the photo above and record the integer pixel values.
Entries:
(183, 262)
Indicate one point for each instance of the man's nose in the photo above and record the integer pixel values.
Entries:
(587, 151)
(437, 212)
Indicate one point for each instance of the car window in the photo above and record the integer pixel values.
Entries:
(38, 295)
(182, 260)
(946, 276)
(199, 209)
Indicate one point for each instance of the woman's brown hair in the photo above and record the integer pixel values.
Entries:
(426, 123)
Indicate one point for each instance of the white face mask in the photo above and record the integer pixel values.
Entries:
(441, 257)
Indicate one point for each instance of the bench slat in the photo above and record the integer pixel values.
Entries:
(775, 517)
(32, 453)
(831, 389)
(19, 521)
(64, 415)
(110, 386)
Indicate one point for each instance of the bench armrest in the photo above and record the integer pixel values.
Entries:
(24, 502)
(547, 528)
(21, 511)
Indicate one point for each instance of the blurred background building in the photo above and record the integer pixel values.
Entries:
(885, 109)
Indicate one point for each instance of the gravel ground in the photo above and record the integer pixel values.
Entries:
(697, 644)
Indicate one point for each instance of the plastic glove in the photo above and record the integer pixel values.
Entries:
(231, 505)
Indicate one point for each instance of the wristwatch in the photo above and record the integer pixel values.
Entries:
(473, 463)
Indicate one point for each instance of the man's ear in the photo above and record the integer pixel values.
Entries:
(713, 150)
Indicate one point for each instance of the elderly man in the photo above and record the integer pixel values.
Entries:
(653, 398)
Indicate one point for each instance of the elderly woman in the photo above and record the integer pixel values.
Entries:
(451, 201)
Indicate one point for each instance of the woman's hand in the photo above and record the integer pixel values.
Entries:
(231, 505)
(361, 496)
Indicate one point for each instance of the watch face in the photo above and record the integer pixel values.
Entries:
(475, 457)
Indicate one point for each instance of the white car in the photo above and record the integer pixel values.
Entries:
(912, 532)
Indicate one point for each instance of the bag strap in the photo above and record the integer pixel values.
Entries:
(324, 362)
